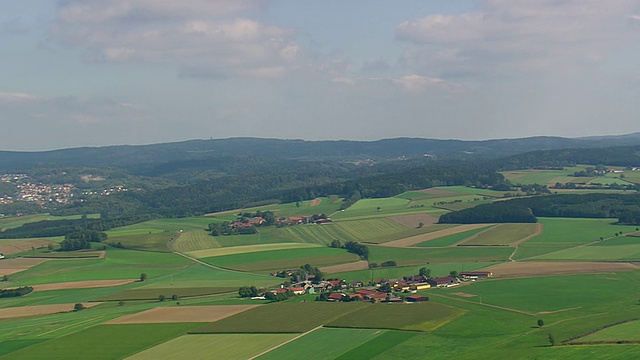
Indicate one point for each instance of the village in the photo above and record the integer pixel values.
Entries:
(379, 291)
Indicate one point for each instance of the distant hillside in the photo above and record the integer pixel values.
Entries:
(130, 155)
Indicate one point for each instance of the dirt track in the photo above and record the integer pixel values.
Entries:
(39, 310)
(82, 284)
(315, 202)
(413, 240)
(358, 265)
(12, 266)
(545, 268)
(182, 314)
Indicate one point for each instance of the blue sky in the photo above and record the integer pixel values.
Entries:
(93, 73)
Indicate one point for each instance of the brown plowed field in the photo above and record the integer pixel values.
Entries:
(18, 246)
(40, 310)
(182, 314)
(543, 268)
(12, 266)
(82, 284)
(413, 240)
(412, 220)
(358, 265)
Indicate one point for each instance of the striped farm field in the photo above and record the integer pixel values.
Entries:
(282, 317)
(414, 240)
(195, 240)
(234, 250)
(361, 231)
(450, 240)
(182, 314)
(210, 346)
(502, 235)
(150, 242)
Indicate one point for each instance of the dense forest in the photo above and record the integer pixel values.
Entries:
(624, 207)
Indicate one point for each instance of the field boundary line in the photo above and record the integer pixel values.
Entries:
(286, 342)
(539, 230)
(473, 236)
(484, 304)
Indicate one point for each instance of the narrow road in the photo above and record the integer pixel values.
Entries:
(285, 343)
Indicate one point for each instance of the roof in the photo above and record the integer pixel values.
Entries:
(336, 296)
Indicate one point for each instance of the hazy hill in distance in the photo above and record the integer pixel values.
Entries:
(128, 155)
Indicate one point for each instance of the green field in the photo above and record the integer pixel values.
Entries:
(502, 235)
(115, 341)
(17, 221)
(283, 259)
(546, 177)
(195, 240)
(246, 249)
(629, 331)
(162, 225)
(219, 346)
(397, 272)
(426, 316)
(154, 293)
(450, 239)
(386, 342)
(146, 242)
(418, 256)
(279, 318)
(327, 343)
(564, 233)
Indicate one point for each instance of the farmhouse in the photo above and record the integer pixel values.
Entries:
(417, 298)
(420, 286)
(444, 281)
(335, 296)
(476, 274)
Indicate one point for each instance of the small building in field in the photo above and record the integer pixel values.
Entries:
(417, 298)
(476, 274)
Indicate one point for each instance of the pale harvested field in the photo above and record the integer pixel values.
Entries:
(40, 310)
(182, 314)
(12, 266)
(82, 284)
(247, 249)
(413, 240)
(463, 294)
(18, 246)
(195, 240)
(358, 265)
(412, 220)
(438, 192)
(315, 202)
(541, 268)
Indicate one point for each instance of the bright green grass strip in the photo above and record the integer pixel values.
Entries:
(154, 293)
(103, 342)
(273, 255)
(628, 331)
(293, 263)
(450, 239)
(327, 343)
(386, 341)
(213, 346)
(195, 240)
(418, 256)
(283, 317)
(426, 316)
(161, 225)
(622, 240)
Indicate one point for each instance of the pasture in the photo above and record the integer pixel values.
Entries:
(266, 261)
(422, 256)
(450, 240)
(502, 235)
(327, 343)
(545, 177)
(195, 240)
(246, 249)
(629, 331)
(146, 242)
(418, 239)
(115, 341)
(277, 318)
(222, 346)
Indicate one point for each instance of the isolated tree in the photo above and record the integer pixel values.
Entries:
(552, 340)
(143, 276)
(78, 307)
(335, 243)
(161, 297)
(540, 323)
(174, 297)
(420, 225)
(601, 238)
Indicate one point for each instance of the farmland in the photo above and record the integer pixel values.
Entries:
(562, 272)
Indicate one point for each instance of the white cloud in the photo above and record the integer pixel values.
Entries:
(191, 34)
(521, 35)
(410, 83)
(18, 96)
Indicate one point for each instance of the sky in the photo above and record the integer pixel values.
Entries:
(95, 73)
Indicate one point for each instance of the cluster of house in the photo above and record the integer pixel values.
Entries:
(381, 290)
(294, 220)
(37, 193)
